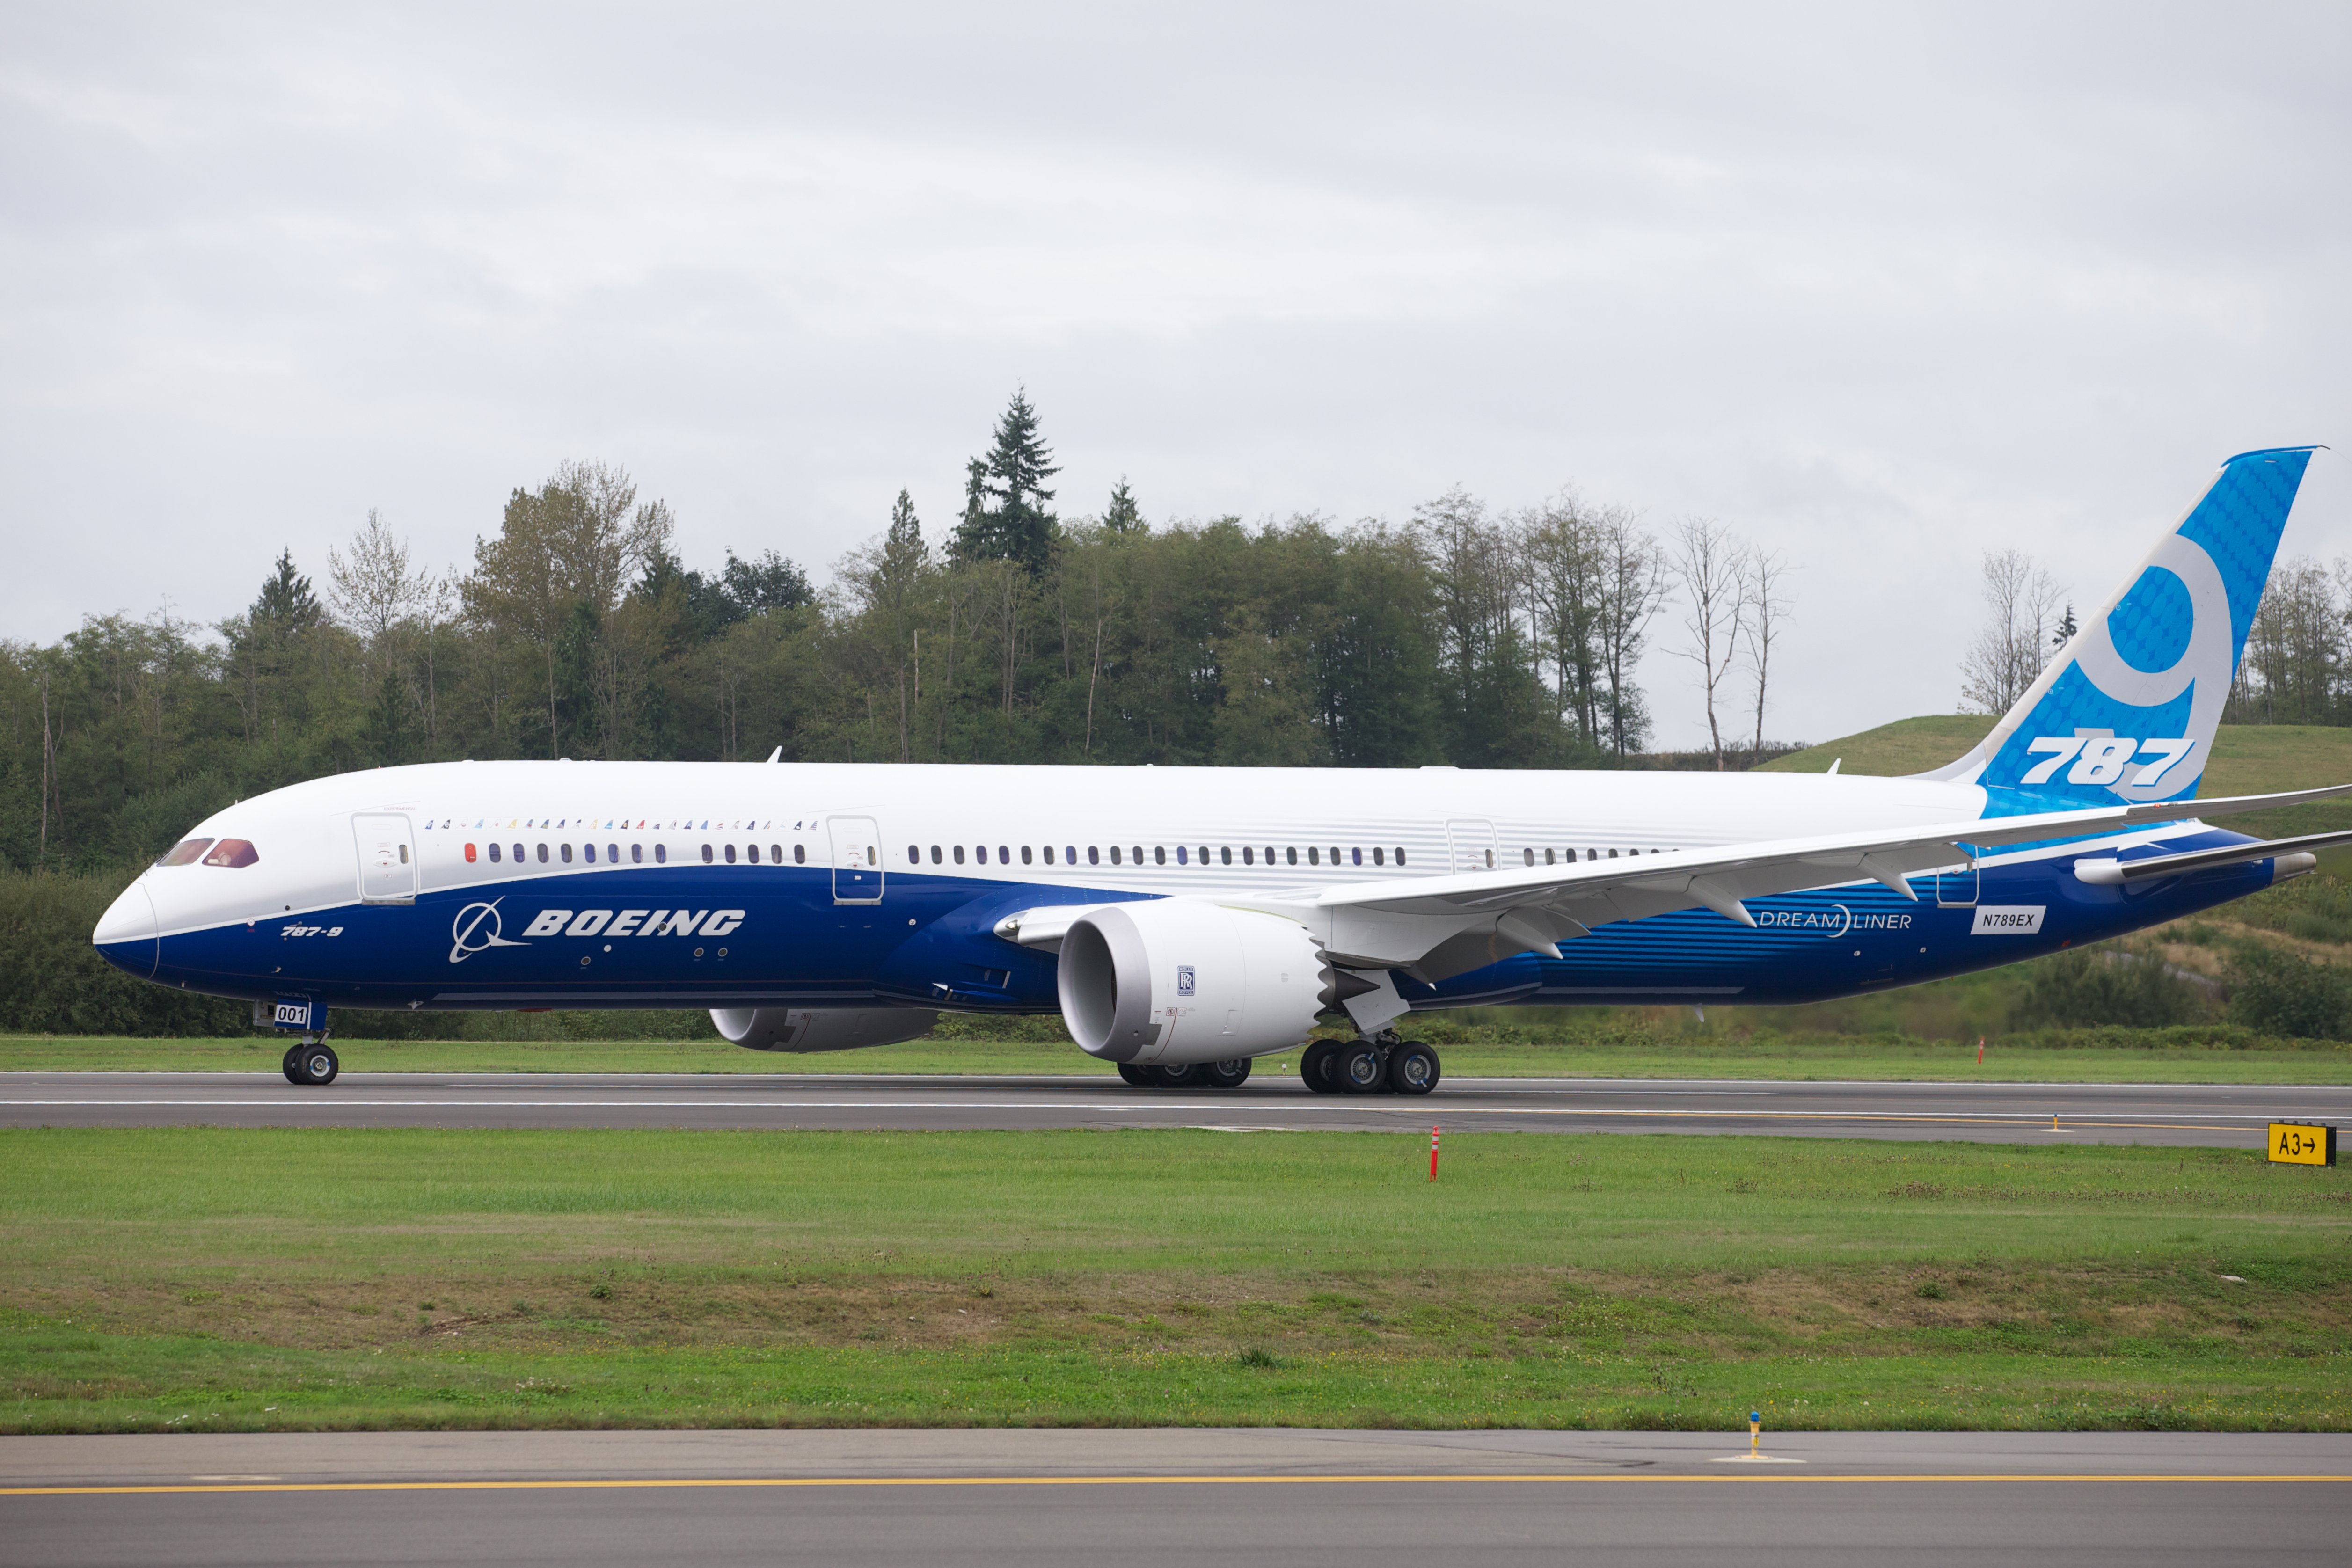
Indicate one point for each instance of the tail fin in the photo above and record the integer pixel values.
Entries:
(2129, 709)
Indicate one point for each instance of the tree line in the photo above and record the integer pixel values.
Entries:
(1465, 635)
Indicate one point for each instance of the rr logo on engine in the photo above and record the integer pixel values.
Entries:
(1183, 980)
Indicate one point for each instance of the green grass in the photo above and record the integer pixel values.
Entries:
(196, 1278)
(1662, 1047)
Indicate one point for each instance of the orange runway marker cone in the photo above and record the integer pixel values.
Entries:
(1433, 1154)
(1979, 1051)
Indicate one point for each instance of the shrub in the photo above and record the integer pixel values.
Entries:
(2284, 993)
(2088, 987)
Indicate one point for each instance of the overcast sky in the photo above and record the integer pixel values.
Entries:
(1881, 291)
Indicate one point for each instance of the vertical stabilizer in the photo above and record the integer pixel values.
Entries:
(2127, 709)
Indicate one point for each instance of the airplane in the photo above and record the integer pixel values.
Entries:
(1187, 921)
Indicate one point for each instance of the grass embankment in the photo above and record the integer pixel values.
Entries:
(2187, 1055)
(218, 1280)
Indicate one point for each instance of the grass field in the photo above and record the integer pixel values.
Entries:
(2108, 1056)
(233, 1280)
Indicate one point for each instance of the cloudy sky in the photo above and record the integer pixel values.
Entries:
(1882, 290)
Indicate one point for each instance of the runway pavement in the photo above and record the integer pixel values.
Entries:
(2231, 1116)
(1366, 1500)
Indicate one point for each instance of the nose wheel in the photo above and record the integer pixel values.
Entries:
(311, 1062)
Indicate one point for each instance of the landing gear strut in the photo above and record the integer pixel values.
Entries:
(1377, 1065)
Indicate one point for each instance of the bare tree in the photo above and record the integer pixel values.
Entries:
(2009, 653)
(1765, 603)
(1709, 565)
(372, 590)
(1631, 589)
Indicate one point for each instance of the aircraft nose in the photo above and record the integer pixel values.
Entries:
(125, 936)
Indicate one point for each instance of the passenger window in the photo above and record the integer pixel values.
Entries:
(637, 855)
(612, 853)
(1094, 855)
(661, 854)
(752, 854)
(706, 854)
(1226, 854)
(1612, 854)
(959, 854)
(1314, 855)
(494, 854)
(800, 854)
(730, 855)
(914, 854)
(1379, 858)
(1547, 857)
(589, 850)
(1160, 855)
(1293, 853)
(1138, 854)
(935, 854)
(185, 852)
(1114, 854)
(542, 855)
(1249, 856)
(1357, 856)
(1490, 859)
(1049, 854)
(1069, 854)
(238, 853)
(517, 854)
(1025, 854)
(565, 851)
(1003, 855)
(470, 854)
(1180, 855)
(1204, 855)
(210, 860)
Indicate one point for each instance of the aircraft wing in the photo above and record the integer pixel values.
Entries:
(1441, 926)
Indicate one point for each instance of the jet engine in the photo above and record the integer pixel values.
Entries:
(1173, 981)
(820, 1029)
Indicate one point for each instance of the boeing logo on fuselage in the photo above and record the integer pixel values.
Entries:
(467, 935)
(635, 923)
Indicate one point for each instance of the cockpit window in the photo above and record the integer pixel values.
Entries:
(185, 852)
(232, 853)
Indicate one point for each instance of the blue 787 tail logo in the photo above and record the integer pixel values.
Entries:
(2102, 758)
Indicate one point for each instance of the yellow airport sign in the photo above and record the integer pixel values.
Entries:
(2302, 1143)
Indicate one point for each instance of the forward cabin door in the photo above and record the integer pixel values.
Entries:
(1470, 844)
(857, 860)
(387, 854)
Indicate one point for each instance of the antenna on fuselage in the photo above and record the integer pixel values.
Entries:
(777, 754)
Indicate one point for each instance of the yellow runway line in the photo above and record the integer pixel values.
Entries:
(775, 1481)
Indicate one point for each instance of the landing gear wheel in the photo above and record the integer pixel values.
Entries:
(1177, 1077)
(1225, 1074)
(1412, 1069)
(1316, 1067)
(292, 1065)
(316, 1063)
(1139, 1077)
(1359, 1070)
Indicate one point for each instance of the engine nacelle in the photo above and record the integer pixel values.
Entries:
(820, 1029)
(1174, 981)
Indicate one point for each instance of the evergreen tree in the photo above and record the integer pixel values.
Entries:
(1121, 516)
(1005, 496)
(286, 600)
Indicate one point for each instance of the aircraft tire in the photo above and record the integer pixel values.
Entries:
(1230, 1074)
(317, 1064)
(1138, 1077)
(1314, 1066)
(1412, 1069)
(1183, 1077)
(1359, 1070)
(292, 1067)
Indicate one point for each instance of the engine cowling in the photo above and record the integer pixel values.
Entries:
(806, 1029)
(1174, 981)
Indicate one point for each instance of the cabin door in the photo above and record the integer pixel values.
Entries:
(1470, 844)
(387, 858)
(857, 860)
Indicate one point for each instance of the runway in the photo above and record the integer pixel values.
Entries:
(1367, 1499)
(2229, 1116)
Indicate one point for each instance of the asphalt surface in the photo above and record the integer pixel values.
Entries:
(2233, 1116)
(1366, 1500)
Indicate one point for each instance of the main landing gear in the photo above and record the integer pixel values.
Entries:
(312, 1063)
(1379, 1064)
(1202, 1075)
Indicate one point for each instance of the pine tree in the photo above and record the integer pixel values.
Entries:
(286, 600)
(1121, 516)
(1016, 527)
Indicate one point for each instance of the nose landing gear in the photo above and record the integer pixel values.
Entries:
(312, 1063)
(1376, 1064)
